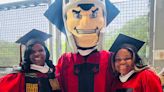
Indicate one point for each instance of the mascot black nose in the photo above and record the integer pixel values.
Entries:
(86, 7)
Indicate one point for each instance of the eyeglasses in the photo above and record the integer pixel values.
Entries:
(120, 59)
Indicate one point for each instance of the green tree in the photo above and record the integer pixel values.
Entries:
(137, 28)
(9, 54)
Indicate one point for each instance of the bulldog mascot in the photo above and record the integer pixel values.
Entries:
(87, 68)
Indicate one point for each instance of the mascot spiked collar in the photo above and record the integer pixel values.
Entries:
(83, 21)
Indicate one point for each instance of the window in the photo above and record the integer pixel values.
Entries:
(14, 23)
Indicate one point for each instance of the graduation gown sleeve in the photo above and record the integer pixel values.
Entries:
(144, 81)
(12, 83)
(151, 82)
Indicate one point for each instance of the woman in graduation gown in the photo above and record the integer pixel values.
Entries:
(37, 73)
(131, 74)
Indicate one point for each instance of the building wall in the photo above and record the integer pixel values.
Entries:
(159, 35)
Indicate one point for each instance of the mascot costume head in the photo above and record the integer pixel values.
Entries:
(83, 22)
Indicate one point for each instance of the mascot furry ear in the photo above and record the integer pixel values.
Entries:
(87, 31)
(55, 15)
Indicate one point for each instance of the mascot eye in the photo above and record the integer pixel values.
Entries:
(77, 14)
(94, 13)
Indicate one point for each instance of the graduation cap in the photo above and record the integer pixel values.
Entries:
(126, 41)
(33, 35)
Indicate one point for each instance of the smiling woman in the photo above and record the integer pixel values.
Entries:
(131, 75)
(38, 72)
(38, 55)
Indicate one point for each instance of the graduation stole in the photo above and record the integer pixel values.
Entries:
(32, 87)
(31, 81)
(85, 73)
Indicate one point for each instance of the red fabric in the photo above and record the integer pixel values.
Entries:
(144, 81)
(69, 81)
(41, 75)
(12, 83)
